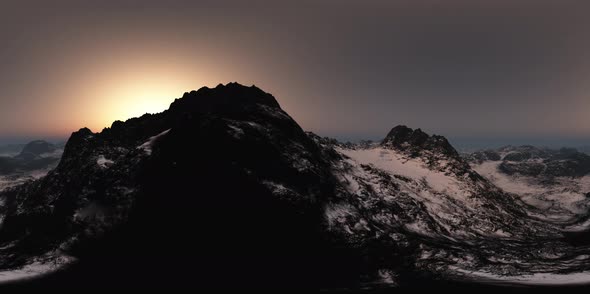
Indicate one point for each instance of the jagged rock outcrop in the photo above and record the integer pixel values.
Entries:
(416, 142)
(434, 150)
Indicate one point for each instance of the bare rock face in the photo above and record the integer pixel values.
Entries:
(417, 142)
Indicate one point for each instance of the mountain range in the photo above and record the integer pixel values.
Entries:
(225, 189)
(28, 162)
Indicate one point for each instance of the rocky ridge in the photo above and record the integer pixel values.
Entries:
(225, 179)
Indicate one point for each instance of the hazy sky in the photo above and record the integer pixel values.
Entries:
(350, 69)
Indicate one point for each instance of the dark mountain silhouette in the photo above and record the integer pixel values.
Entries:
(38, 148)
(223, 181)
(11, 149)
(416, 141)
(224, 189)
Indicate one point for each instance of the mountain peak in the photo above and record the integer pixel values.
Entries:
(228, 150)
(404, 138)
(402, 134)
(230, 97)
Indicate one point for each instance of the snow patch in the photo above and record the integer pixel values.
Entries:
(387, 277)
(147, 146)
(339, 214)
(36, 268)
(396, 164)
(277, 188)
(103, 162)
(236, 131)
(529, 279)
(418, 228)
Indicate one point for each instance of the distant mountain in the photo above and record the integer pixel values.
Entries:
(584, 149)
(225, 189)
(37, 148)
(534, 161)
(10, 150)
(36, 155)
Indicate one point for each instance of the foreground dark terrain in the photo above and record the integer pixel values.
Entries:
(224, 189)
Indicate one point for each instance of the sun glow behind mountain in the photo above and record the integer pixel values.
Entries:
(135, 99)
(460, 69)
(125, 86)
(122, 99)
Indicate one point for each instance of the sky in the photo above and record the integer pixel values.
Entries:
(485, 71)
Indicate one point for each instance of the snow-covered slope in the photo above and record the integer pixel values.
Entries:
(563, 200)
(230, 185)
(444, 200)
(417, 192)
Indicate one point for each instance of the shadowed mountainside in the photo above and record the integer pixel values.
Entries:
(224, 189)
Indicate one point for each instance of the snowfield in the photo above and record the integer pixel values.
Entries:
(563, 202)
(397, 164)
(489, 224)
(433, 194)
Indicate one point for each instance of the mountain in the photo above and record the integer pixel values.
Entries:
(8, 150)
(533, 161)
(35, 156)
(224, 189)
(222, 180)
(414, 191)
(36, 149)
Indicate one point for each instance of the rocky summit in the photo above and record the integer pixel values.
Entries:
(416, 142)
(222, 181)
(225, 189)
